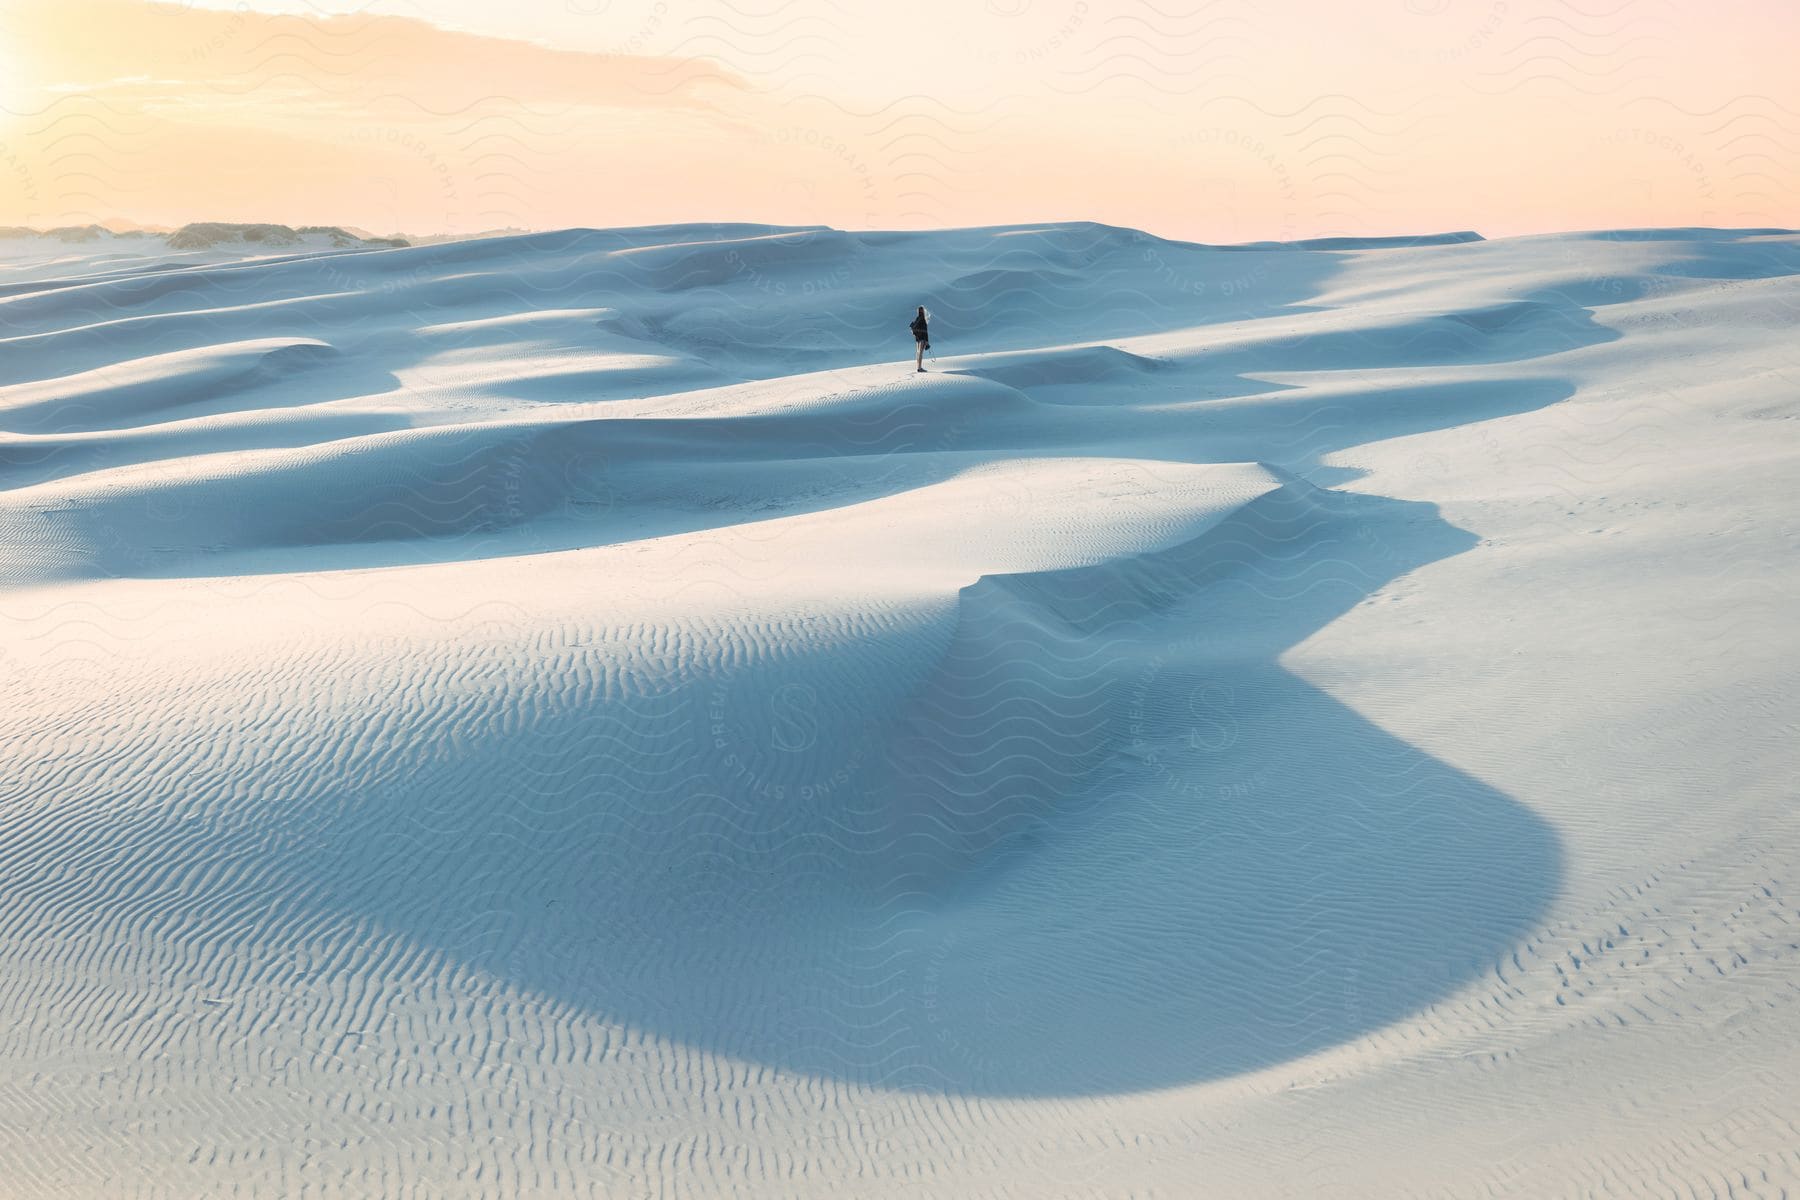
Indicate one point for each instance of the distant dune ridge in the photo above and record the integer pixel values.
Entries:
(575, 713)
(208, 234)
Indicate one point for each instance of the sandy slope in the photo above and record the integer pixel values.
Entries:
(574, 715)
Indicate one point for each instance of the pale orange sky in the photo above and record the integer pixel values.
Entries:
(1226, 121)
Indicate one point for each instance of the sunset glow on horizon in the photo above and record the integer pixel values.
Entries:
(1230, 121)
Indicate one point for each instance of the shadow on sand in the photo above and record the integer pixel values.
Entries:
(1103, 842)
(1108, 844)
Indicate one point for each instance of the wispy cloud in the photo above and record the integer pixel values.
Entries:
(136, 48)
(169, 113)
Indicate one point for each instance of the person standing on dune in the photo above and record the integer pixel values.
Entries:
(922, 335)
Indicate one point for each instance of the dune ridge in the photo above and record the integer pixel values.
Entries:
(576, 713)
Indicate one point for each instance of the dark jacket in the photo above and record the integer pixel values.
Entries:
(919, 329)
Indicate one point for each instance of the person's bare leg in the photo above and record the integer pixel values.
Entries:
(920, 361)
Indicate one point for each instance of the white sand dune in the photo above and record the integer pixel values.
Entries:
(576, 714)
